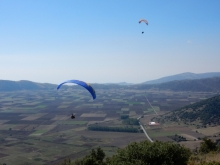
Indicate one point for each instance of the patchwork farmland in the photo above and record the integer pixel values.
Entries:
(36, 128)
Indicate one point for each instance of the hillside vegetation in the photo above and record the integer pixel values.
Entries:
(203, 113)
(157, 153)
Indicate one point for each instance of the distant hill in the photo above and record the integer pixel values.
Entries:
(121, 83)
(203, 113)
(183, 76)
(7, 86)
(124, 83)
(197, 85)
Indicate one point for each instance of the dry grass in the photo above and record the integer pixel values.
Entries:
(30, 127)
(63, 106)
(191, 144)
(3, 121)
(132, 113)
(34, 117)
(199, 159)
(209, 131)
(188, 137)
(45, 127)
(110, 119)
(60, 117)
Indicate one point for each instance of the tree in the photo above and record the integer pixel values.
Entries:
(207, 145)
(142, 153)
(124, 116)
(95, 157)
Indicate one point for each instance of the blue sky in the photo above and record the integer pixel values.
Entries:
(100, 41)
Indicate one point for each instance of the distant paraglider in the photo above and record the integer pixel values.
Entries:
(145, 21)
(83, 84)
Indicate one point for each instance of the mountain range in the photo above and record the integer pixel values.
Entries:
(183, 76)
(208, 82)
(195, 85)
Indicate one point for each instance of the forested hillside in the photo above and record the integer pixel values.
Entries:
(206, 112)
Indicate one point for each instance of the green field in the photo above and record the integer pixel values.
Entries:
(161, 133)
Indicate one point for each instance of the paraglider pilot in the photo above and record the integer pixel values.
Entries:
(73, 116)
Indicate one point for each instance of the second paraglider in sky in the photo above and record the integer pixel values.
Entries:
(145, 21)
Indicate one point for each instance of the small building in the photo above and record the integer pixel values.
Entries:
(153, 123)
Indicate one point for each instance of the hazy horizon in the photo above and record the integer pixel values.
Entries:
(101, 41)
(121, 81)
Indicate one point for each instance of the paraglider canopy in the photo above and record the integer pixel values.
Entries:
(81, 83)
(143, 20)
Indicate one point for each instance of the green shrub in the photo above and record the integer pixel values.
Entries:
(146, 153)
(207, 146)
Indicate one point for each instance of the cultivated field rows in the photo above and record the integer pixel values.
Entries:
(35, 126)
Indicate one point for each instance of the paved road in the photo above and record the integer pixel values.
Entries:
(145, 131)
(141, 124)
(151, 105)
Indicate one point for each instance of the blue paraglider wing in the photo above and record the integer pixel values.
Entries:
(81, 83)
